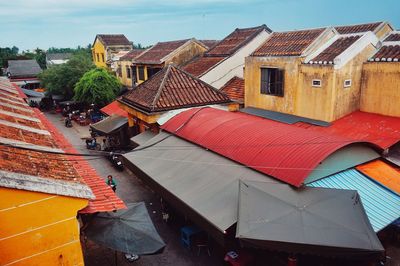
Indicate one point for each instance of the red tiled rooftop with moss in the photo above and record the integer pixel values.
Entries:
(234, 88)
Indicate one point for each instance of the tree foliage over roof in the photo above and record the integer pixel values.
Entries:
(97, 86)
(61, 79)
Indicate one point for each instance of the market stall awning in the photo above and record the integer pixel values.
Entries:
(381, 205)
(130, 231)
(110, 124)
(204, 181)
(328, 222)
(32, 93)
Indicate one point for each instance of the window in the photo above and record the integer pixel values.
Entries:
(102, 57)
(98, 57)
(272, 81)
(141, 72)
(133, 75)
(128, 72)
(119, 71)
(316, 83)
(347, 83)
(151, 71)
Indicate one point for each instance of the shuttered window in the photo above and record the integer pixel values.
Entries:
(272, 81)
(128, 72)
(141, 72)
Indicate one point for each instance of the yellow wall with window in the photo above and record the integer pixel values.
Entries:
(99, 54)
(122, 75)
(39, 229)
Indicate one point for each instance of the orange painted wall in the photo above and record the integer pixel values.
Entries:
(39, 228)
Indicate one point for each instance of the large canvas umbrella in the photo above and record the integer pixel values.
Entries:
(330, 222)
(130, 231)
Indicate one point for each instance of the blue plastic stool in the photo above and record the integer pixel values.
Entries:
(186, 233)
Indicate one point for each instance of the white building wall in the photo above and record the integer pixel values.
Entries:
(233, 65)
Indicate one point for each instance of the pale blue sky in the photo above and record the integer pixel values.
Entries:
(28, 24)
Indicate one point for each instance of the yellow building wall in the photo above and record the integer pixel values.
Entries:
(39, 228)
(145, 74)
(99, 49)
(252, 75)
(381, 88)
(124, 79)
(383, 32)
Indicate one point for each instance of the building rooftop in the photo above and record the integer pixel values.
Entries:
(328, 55)
(290, 43)
(202, 64)
(156, 53)
(172, 88)
(234, 88)
(393, 37)
(209, 43)
(387, 53)
(113, 39)
(358, 28)
(58, 56)
(132, 54)
(23, 68)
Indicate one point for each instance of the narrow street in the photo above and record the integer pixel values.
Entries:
(131, 189)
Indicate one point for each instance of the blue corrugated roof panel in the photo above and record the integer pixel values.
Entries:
(381, 205)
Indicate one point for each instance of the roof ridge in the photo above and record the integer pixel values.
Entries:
(161, 87)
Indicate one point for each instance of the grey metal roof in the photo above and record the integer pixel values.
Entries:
(143, 137)
(23, 68)
(206, 182)
(282, 117)
(381, 205)
(329, 222)
(110, 124)
(58, 56)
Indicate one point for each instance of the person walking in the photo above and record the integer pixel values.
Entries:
(111, 182)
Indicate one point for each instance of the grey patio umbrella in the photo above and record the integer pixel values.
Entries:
(129, 231)
(330, 222)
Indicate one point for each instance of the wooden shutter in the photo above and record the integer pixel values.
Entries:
(280, 82)
(264, 81)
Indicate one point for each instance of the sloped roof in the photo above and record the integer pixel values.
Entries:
(114, 109)
(209, 43)
(23, 128)
(393, 37)
(387, 53)
(335, 49)
(383, 131)
(132, 54)
(286, 152)
(113, 39)
(23, 68)
(156, 53)
(172, 88)
(58, 56)
(238, 38)
(290, 43)
(346, 29)
(202, 64)
(234, 88)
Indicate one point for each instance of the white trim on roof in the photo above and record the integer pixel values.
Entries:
(33, 119)
(15, 102)
(19, 126)
(23, 144)
(9, 90)
(27, 109)
(12, 96)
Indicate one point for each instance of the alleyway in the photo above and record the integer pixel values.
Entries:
(131, 189)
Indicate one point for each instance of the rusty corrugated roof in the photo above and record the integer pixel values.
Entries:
(286, 152)
(172, 88)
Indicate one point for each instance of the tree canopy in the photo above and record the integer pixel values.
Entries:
(97, 86)
(61, 79)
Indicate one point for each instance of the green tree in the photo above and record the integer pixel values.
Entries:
(61, 79)
(40, 57)
(97, 86)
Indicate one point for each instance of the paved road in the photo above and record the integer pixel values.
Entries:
(131, 189)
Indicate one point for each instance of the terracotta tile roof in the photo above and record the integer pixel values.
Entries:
(290, 43)
(358, 28)
(234, 88)
(155, 54)
(113, 39)
(202, 64)
(172, 88)
(114, 109)
(335, 49)
(209, 43)
(238, 38)
(131, 54)
(387, 53)
(393, 37)
(63, 174)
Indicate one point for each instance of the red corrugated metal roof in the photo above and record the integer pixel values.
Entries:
(381, 130)
(114, 109)
(286, 152)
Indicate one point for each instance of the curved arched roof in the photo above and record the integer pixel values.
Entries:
(286, 152)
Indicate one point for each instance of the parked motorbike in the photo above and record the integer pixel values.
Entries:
(90, 145)
(116, 161)
(67, 122)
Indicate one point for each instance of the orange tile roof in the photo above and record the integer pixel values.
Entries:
(387, 53)
(234, 88)
(202, 64)
(393, 37)
(382, 173)
(155, 54)
(358, 28)
(290, 43)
